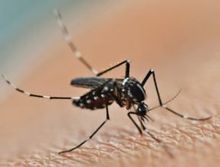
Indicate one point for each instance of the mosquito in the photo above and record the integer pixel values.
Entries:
(127, 92)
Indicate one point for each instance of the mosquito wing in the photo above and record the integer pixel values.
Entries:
(89, 82)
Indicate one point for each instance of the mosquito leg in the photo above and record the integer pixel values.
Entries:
(129, 115)
(142, 125)
(149, 133)
(153, 137)
(160, 142)
(151, 72)
(36, 95)
(186, 117)
(78, 54)
(140, 118)
(91, 136)
(127, 68)
(71, 45)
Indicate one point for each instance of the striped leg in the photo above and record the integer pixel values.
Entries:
(184, 116)
(91, 136)
(71, 45)
(78, 54)
(163, 105)
(36, 95)
(148, 132)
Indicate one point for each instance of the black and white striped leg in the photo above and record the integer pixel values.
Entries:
(36, 95)
(151, 72)
(91, 136)
(186, 117)
(71, 45)
(78, 54)
(127, 68)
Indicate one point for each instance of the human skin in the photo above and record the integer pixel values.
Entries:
(179, 40)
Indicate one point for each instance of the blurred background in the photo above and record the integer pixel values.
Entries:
(179, 39)
(24, 26)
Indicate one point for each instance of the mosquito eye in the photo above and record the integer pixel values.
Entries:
(142, 108)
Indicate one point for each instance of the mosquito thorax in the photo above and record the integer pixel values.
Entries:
(133, 90)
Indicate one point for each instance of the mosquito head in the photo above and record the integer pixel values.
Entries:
(142, 108)
(133, 90)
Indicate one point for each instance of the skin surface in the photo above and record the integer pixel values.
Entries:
(178, 39)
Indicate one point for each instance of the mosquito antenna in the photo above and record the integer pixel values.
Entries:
(176, 113)
(168, 101)
(70, 43)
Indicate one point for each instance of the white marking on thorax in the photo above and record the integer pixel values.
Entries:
(124, 81)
